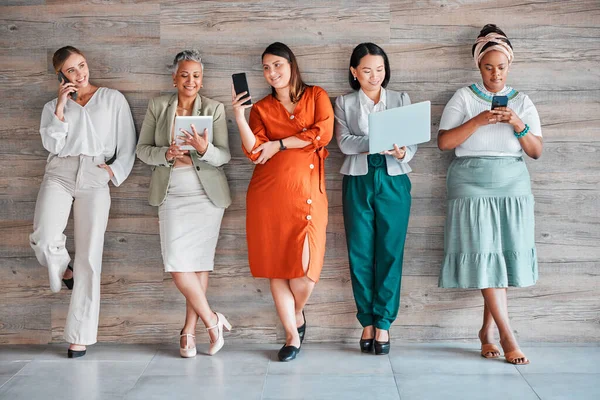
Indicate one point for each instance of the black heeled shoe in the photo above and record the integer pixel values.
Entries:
(69, 283)
(366, 345)
(302, 329)
(288, 353)
(76, 353)
(382, 348)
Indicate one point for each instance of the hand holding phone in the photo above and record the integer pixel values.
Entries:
(63, 80)
(240, 85)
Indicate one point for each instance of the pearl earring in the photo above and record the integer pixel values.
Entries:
(354, 77)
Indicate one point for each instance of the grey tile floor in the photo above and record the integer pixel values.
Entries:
(322, 371)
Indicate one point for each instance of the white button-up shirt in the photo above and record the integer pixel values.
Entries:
(101, 127)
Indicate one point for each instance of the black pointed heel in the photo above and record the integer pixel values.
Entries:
(69, 282)
(288, 353)
(75, 353)
(366, 345)
(302, 329)
(382, 348)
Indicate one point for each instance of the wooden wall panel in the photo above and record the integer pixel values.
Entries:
(129, 43)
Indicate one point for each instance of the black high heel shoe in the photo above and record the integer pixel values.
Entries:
(366, 345)
(69, 283)
(288, 353)
(76, 353)
(382, 348)
(302, 329)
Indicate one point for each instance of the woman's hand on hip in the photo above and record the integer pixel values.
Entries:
(267, 150)
(507, 115)
(397, 152)
(197, 141)
(108, 169)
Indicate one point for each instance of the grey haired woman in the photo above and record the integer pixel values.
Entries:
(191, 191)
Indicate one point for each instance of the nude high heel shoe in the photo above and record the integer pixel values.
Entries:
(218, 344)
(188, 352)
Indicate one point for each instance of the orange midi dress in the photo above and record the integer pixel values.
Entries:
(286, 199)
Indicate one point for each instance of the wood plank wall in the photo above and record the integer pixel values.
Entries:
(128, 43)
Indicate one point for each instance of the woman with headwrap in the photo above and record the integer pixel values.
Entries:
(489, 239)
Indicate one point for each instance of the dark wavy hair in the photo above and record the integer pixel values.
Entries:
(487, 29)
(297, 85)
(358, 53)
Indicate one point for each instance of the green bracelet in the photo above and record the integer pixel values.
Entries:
(522, 133)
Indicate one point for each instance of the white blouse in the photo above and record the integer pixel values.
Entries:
(101, 127)
(494, 139)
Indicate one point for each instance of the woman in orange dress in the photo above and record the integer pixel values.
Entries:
(286, 203)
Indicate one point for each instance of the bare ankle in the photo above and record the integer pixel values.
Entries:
(382, 335)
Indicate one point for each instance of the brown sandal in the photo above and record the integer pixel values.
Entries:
(511, 356)
(489, 348)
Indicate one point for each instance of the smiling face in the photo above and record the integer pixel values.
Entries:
(370, 72)
(494, 70)
(76, 70)
(277, 71)
(188, 78)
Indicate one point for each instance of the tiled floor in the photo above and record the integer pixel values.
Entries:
(412, 371)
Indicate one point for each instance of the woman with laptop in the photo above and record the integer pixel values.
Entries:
(375, 195)
(489, 241)
(191, 191)
(286, 217)
(90, 135)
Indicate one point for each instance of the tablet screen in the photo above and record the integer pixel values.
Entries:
(200, 122)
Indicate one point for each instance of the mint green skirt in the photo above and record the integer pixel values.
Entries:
(489, 237)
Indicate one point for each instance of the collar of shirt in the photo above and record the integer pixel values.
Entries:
(366, 102)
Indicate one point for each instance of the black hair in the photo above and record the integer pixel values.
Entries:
(487, 29)
(297, 85)
(358, 53)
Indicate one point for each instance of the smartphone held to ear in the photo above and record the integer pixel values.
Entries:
(62, 78)
(499, 101)
(240, 85)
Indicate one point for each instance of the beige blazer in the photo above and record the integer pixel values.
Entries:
(155, 138)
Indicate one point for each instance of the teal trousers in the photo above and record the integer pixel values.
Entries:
(376, 210)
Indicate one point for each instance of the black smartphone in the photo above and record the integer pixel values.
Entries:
(240, 84)
(62, 78)
(499, 101)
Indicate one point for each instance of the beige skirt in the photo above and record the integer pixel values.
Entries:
(189, 224)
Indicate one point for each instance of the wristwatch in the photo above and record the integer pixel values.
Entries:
(281, 145)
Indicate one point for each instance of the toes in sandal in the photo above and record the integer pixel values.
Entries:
(490, 348)
(514, 355)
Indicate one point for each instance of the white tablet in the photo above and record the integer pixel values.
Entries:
(199, 122)
(403, 126)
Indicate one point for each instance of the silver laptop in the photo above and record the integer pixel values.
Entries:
(403, 126)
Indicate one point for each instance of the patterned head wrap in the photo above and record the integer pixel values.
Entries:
(498, 43)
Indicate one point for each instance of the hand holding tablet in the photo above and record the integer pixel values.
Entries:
(202, 124)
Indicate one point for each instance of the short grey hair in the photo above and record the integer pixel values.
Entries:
(186, 55)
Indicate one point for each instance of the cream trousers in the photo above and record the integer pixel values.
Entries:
(78, 182)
